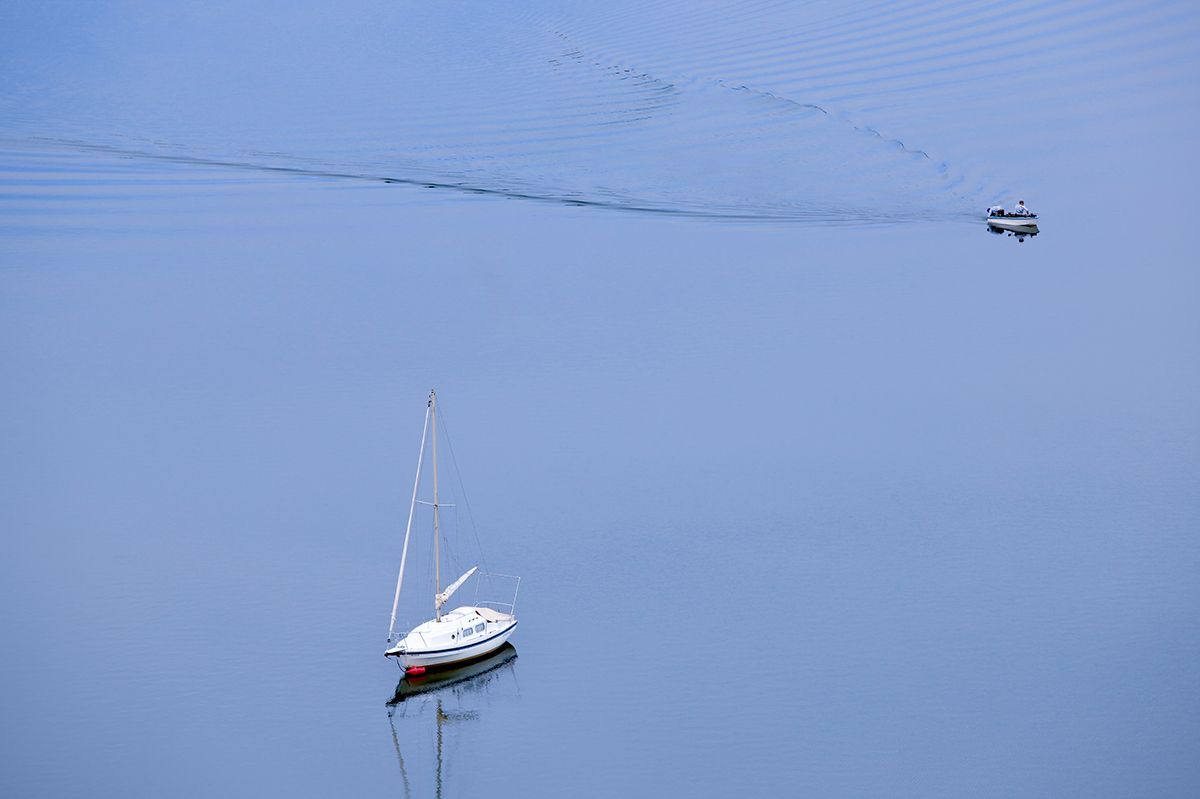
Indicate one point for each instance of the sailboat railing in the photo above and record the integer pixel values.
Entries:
(506, 607)
(400, 636)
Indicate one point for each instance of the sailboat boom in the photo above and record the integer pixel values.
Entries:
(444, 596)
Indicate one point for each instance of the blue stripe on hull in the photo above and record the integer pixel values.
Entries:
(424, 652)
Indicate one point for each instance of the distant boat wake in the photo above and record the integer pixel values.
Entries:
(729, 110)
(630, 204)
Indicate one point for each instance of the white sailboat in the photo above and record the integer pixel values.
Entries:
(465, 633)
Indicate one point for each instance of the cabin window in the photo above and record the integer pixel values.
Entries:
(467, 632)
(479, 628)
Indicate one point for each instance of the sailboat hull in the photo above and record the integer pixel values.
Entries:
(448, 656)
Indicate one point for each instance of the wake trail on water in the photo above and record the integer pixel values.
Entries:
(325, 172)
(819, 113)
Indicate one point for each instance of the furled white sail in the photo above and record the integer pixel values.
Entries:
(444, 597)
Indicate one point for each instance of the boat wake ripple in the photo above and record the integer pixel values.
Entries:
(741, 109)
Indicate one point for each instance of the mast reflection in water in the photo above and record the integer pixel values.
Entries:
(442, 708)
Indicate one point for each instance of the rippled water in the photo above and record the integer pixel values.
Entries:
(816, 486)
(795, 111)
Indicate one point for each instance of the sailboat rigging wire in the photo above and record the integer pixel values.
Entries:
(463, 488)
(451, 551)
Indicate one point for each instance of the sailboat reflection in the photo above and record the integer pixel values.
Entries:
(411, 686)
(452, 697)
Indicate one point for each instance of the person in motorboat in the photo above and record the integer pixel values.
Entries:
(1021, 210)
(996, 210)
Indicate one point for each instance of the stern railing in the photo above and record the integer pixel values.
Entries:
(505, 607)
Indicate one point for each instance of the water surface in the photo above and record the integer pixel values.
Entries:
(815, 486)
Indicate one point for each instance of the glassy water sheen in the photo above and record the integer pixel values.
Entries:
(816, 487)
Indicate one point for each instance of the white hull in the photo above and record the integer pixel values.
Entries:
(1014, 222)
(444, 657)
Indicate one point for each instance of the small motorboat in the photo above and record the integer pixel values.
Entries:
(997, 217)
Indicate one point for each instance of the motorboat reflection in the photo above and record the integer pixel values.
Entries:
(1019, 235)
(437, 714)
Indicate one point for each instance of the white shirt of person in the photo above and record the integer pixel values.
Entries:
(1021, 210)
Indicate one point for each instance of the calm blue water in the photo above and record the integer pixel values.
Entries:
(816, 487)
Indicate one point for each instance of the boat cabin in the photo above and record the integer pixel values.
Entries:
(460, 627)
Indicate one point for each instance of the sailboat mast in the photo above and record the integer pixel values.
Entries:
(437, 559)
